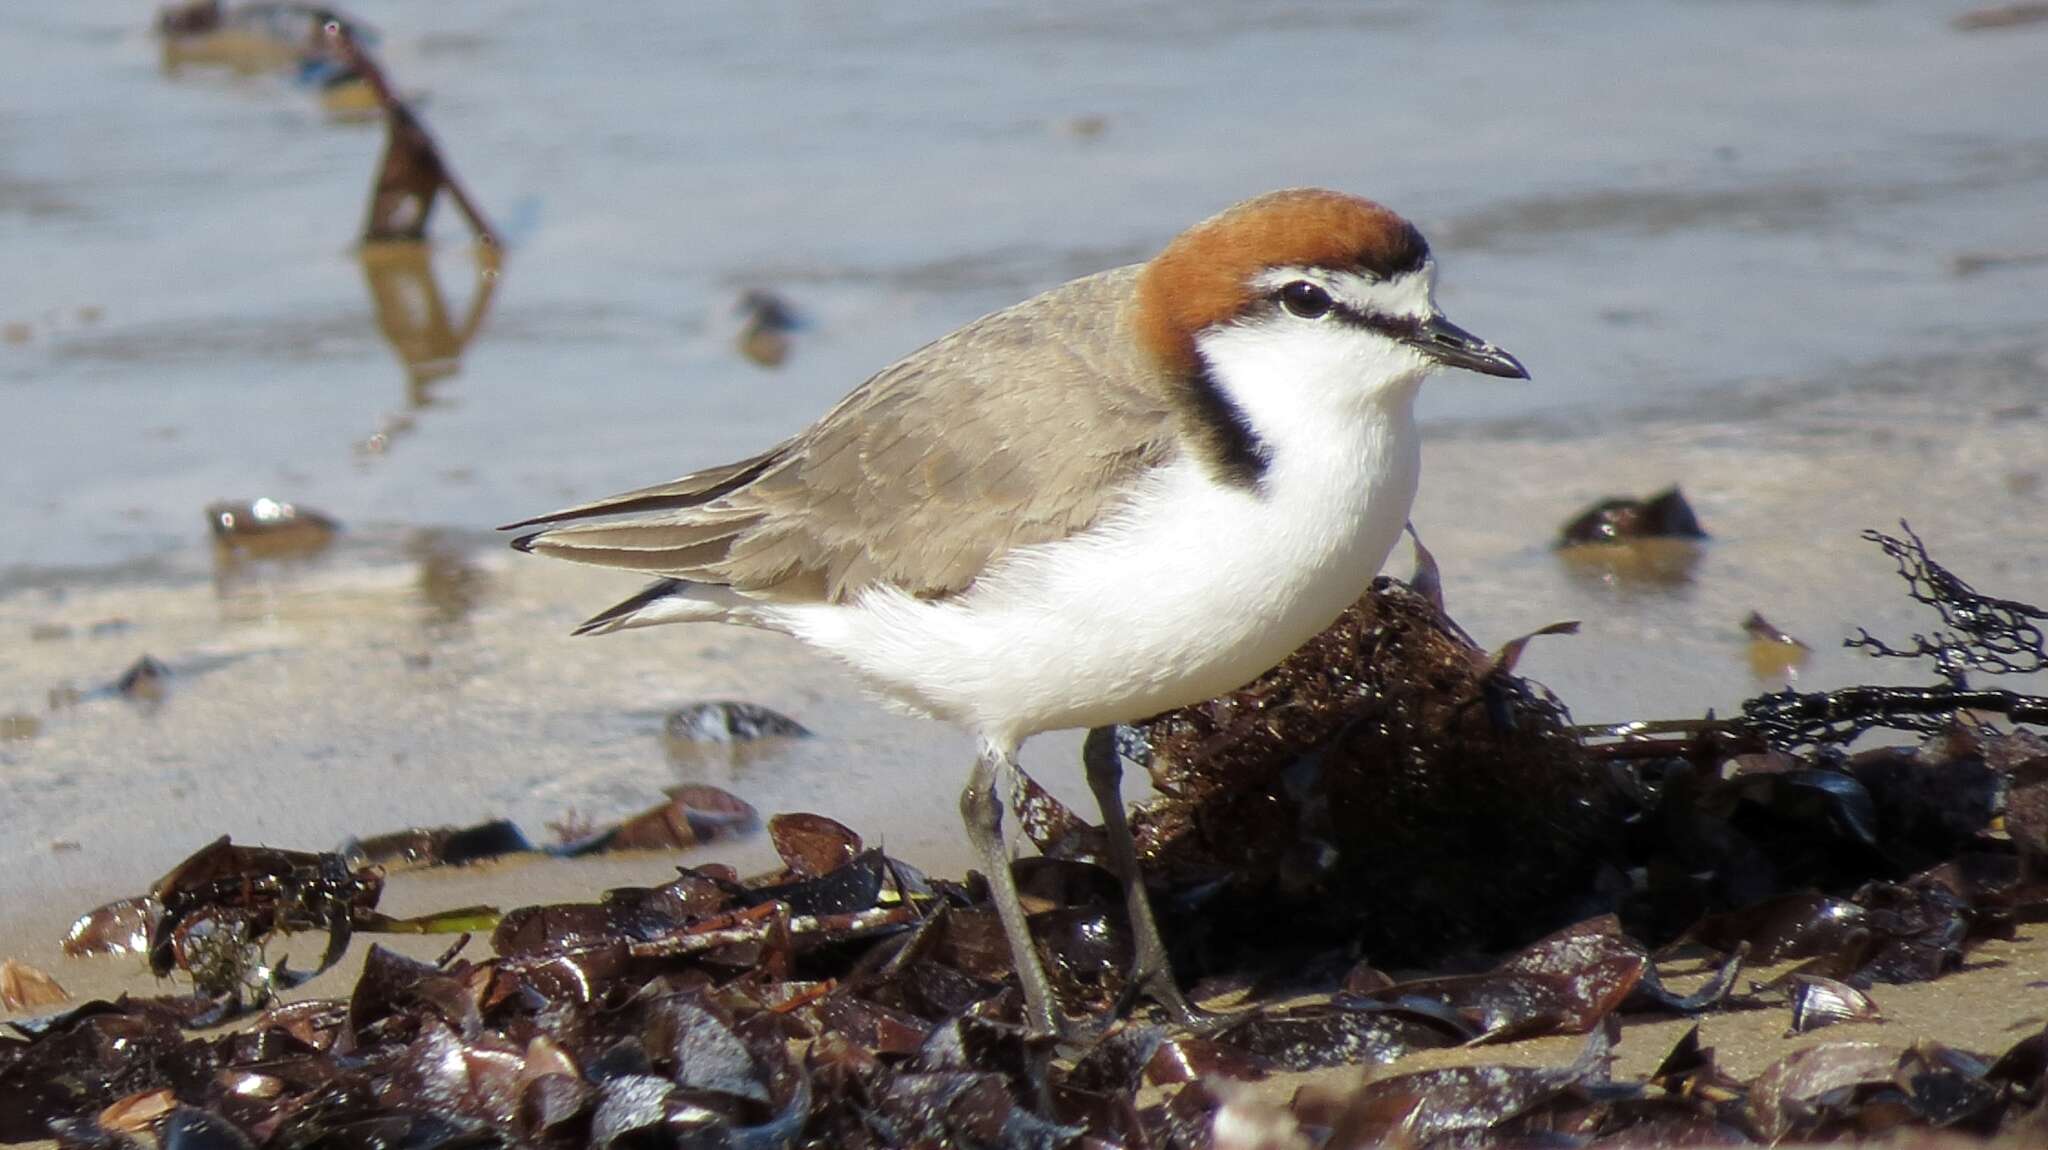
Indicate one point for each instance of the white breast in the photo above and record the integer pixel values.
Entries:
(1193, 589)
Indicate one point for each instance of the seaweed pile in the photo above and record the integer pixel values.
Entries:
(849, 1000)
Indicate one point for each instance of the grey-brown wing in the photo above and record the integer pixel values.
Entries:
(1023, 427)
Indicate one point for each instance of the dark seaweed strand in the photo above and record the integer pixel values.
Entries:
(1789, 718)
(1226, 438)
(1996, 636)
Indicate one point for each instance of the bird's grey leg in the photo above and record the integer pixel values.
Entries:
(981, 807)
(1150, 969)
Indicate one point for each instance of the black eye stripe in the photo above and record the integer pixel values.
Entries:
(1391, 326)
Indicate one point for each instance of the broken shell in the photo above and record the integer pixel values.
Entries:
(1773, 654)
(23, 987)
(1665, 515)
(1818, 1001)
(119, 927)
(270, 529)
(143, 681)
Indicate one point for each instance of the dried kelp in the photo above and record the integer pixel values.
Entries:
(1394, 793)
(1835, 1090)
(1389, 744)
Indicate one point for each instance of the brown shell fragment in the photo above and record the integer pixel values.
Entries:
(270, 529)
(1801, 1091)
(694, 814)
(119, 927)
(23, 987)
(1665, 515)
(812, 845)
(137, 1112)
(1773, 654)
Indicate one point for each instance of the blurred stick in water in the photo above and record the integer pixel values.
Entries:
(412, 171)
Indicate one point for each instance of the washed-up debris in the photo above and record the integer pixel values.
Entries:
(848, 1000)
(725, 722)
(1818, 1001)
(693, 815)
(1971, 263)
(2000, 16)
(1085, 127)
(118, 927)
(212, 917)
(256, 36)
(270, 529)
(699, 737)
(412, 173)
(655, 1005)
(766, 321)
(1653, 542)
(1983, 635)
(145, 681)
(23, 987)
(1773, 654)
(1391, 743)
(437, 846)
(1823, 1093)
(1665, 515)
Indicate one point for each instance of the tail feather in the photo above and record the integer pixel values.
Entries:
(691, 490)
(677, 601)
(619, 616)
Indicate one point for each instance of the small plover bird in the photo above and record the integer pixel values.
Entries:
(1139, 490)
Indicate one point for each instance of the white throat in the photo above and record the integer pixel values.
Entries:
(1299, 380)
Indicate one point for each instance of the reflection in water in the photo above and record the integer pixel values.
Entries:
(414, 317)
(726, 764)
(1645, 564)
(766, 322)
(247, 39)
(412, 313)
(1653, 542)
(448, 583)
(250, 536)
(411, 176)
(1775, 657)
(302, 40)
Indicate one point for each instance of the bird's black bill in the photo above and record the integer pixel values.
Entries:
(1453, 346)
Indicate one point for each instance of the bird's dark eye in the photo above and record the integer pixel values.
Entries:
(1305, 299)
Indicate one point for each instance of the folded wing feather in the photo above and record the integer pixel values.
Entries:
(1023, 427)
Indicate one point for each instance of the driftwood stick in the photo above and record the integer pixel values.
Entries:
(413, 168)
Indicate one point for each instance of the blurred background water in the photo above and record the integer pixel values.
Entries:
(1793, 254)
(1648, 202)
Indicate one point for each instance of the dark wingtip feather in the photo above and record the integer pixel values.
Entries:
(524, 542)
(659, 589)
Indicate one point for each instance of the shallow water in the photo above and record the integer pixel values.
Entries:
(1724, 237)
